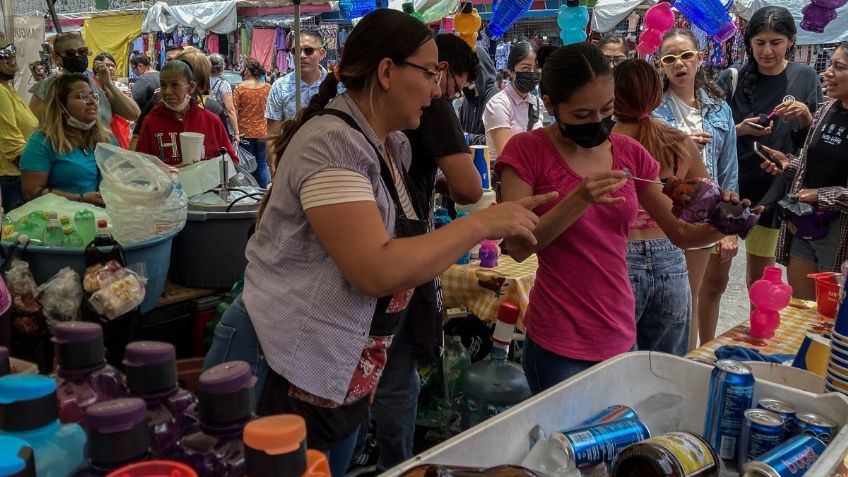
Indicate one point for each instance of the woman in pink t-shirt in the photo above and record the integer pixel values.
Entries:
(581, 307)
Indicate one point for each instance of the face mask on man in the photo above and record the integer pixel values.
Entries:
(588, 135)
(526, 81)
(77, 64)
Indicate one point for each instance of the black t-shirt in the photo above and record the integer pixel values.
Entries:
(145, 87)
(439, 135)
(800, 81)
(827, 156)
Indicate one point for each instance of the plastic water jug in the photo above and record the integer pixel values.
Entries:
(467, 23)
(29, 411)
(275, 446)
(117, 435)
(711, 16)
(769, 295)
(151, 370)
(505, 14)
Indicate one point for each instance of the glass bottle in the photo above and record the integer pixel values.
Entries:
(275, 446)
(83, 376)
(117, 435)
(225, 405)
(151, 370)
(29, 411)
(676, 454)
(53, 235)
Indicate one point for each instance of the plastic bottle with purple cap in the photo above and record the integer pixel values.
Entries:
(151, 371)
(117, 436)
(16, 458)
(29, 411)
(84, 378)
(225, 406)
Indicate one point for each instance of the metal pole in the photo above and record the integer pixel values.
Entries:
(297, 72)
(51, 7)
(9, 20)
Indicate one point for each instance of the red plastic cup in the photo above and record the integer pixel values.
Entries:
(827, 293)
(155, 468)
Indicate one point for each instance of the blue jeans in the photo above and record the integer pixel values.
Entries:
(235, 340)
(660, 282)
(545, 369)
(340, 455)
(396, 402)
(261, 174)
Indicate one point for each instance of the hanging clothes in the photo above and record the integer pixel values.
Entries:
(212, 44)
(262, 48)
(245, 43)
(113, 35)
(282, 59)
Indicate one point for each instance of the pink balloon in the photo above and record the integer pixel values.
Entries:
(659, 17)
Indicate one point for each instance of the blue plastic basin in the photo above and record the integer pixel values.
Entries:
(44, 262)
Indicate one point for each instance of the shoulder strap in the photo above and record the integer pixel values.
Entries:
(734, 81)
(384, 171)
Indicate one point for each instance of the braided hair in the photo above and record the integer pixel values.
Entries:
(775, 19)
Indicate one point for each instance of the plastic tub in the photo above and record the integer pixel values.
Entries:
(626, 379)
(209, 252)
(44, 262)
(827, 293)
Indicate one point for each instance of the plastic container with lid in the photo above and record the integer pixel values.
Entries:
(225, 405)
(16, 458)
(29, 411)
(275, 446)
(84, 378)
(151, 371)
(155, 468)
(117, 435)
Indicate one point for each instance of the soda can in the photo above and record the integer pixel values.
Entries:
(791, 458)
(591, 445)
(467, 138)
(762, 431)
(616, 412)
(480, 154)
(731, 394)
(813, 425)
(783, 409)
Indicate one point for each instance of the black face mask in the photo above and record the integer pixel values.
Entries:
(526, 81)
(77, 64)
(589, 135)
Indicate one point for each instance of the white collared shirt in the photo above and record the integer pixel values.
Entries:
(509, 110)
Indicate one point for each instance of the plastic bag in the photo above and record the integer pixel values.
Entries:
(5, 297)
(61, 297)
(142, 195)
(22, 287)
(98, 275)
(243, 177)
(121, 292)
(247, 160)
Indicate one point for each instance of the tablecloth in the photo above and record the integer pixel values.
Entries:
(796, 321)
(480, 290)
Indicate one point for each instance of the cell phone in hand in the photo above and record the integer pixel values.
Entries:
(758, 150)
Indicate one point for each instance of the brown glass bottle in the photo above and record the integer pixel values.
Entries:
(676, 454)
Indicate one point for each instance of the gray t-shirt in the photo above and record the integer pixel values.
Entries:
(43, 87)
(145, 87)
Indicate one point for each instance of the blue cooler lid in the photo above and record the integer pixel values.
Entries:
(16, 458)
(27, 402)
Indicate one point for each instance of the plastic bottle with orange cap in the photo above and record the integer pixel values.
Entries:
(275, 446)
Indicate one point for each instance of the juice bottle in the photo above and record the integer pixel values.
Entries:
(151, 370)
(29, 411)
(275, 446)
(117, 435)
(225, 405)
(82, 374)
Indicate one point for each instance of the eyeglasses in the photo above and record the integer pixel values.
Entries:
(70, 53)
(687, 55)
(7, 52)
(615, 60)
(432, 75)
(88, 98)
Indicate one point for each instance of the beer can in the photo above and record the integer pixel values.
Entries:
(731, 394)
(783, 409)
(480, 154)
(791, 458)
(616, 412)
(591, 445)
(809, 424)
(762, 431)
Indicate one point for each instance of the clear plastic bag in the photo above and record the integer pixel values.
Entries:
(243, 177)
(98, 275)
(22, 287)
(247, 160)
(121, 293)
(61, 297)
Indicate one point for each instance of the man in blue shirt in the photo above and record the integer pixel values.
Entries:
(281, 99)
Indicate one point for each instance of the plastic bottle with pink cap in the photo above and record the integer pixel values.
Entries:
(83, 376)
(275, 446)
(151, 371)
(117, 436)
(224, 407)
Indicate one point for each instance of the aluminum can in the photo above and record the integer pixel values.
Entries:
(616, 412)
(591, 445)
(731, 394)
(762, 431)
(810, 424)
(792, 458)
(783, 409)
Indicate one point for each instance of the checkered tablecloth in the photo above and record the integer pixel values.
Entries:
(795, 322)
(480, 290)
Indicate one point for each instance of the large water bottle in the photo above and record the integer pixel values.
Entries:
(711, 16)
(505, 14)
(356, 8)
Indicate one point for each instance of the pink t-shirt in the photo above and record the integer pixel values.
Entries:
(581, 305)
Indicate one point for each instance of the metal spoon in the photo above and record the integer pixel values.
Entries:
(630, 176)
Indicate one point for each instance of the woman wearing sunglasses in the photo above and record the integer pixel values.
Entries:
(71, 54)
(16, 124)
(773, 101)
(59, 157)
(695, 105)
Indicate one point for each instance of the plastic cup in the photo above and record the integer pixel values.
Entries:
(839, 341)
(191, 146)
